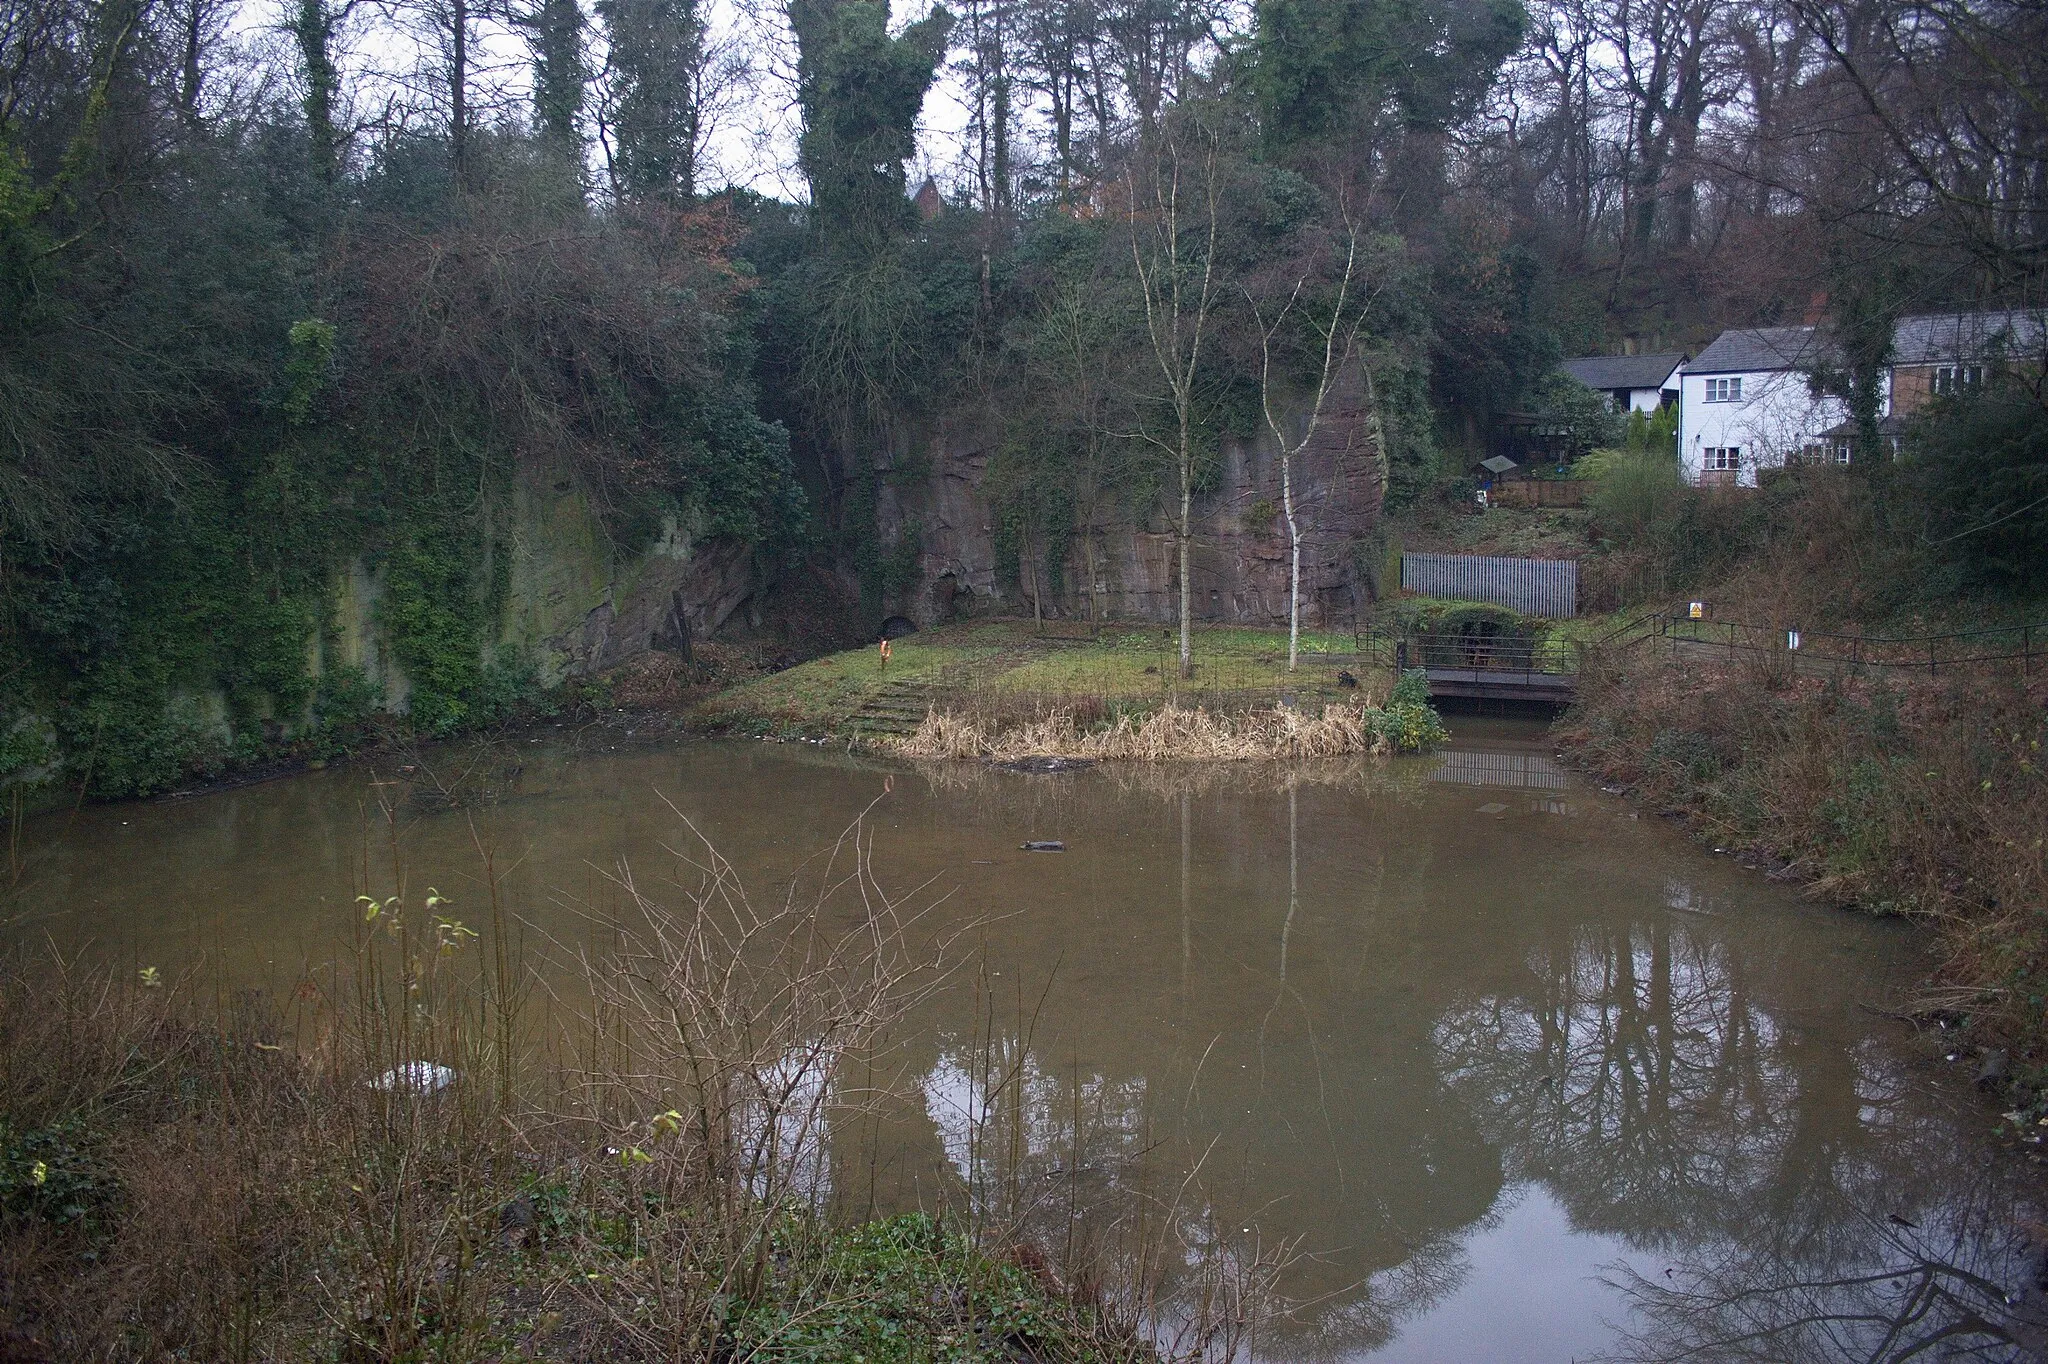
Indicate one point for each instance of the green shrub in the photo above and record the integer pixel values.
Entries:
(1635, 492)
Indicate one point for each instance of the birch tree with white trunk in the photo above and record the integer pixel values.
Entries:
(1177, 280)
(1338, 335)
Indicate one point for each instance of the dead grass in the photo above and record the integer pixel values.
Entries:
(1170, 733)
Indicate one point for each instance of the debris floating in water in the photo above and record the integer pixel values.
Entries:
(1045, 845)
(419, 1077)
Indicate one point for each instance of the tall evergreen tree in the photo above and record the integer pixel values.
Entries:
(554, 30)
(657, 56)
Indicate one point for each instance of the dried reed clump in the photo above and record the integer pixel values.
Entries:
(1176, 733)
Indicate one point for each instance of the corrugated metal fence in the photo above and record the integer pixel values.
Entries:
(1535, 587)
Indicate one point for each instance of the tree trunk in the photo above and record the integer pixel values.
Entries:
(458, 90)
(1294, 564)
(1184, 533)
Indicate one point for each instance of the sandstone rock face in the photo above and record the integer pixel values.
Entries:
(1239, 556)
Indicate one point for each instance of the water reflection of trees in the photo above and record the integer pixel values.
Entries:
(1095, 1168)
(1911, 1291)
(1807, 1189)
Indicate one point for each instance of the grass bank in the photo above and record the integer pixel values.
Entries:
(414, 1157)
(1005, 675)
(1904, 794)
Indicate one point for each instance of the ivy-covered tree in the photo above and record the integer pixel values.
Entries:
(1424, 62)
(860, 90)
(656, 52)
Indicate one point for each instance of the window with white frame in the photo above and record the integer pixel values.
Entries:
(1958, 378)
(1723, 458)
(1841, 451)
(1724, 390)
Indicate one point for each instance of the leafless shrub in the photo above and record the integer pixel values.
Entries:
(727, 1040)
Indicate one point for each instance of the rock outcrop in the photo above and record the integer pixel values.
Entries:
(1239, 554)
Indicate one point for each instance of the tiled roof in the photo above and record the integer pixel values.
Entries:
(1947, 337)
(1891, 424)
(1759, 348)
(1623, 371)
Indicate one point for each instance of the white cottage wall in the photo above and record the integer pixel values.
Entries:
(1776, 416)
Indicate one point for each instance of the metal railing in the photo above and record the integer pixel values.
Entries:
(1676, 628)
(1505, 654)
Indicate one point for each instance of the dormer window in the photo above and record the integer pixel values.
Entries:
(1724, 390)
(1950, 379)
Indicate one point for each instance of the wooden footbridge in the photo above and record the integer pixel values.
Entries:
(1482, 667)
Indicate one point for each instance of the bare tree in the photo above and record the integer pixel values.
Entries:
(1338, 334)
(1176, 270)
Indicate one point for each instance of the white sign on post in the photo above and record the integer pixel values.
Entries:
(1792, 639)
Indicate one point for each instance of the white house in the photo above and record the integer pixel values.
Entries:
(1632, 383)
(1745, 404)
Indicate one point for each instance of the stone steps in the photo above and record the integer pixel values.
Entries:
(896, 711)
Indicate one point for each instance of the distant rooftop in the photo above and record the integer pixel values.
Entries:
(1930, 339)
(1968, 336)
(1623, 371)
(1759, 348)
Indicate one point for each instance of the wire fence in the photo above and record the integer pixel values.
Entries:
(1684, 634)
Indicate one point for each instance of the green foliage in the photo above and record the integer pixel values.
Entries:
(52, 1174)
(1314, 63)
(1657, 432)
(653, 47)
(432, 611)
(1577, 415)
(1412, 689)
(306, 367)
(560, 74)
(860, 90)
(1979, 463)
(1635, 490)
(904, 1291)
(1408, 725)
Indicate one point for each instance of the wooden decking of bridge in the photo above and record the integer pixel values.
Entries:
(1498, 684)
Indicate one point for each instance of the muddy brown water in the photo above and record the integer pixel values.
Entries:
(1516, 1072)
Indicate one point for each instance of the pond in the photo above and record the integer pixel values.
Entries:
(1507, 1069)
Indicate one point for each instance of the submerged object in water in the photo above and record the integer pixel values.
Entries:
(1045, 845)
(418, 1077)
(1045, 762)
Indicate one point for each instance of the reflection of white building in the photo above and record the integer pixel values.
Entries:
(1745, 404)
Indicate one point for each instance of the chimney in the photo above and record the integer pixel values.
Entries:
(1816, 308)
